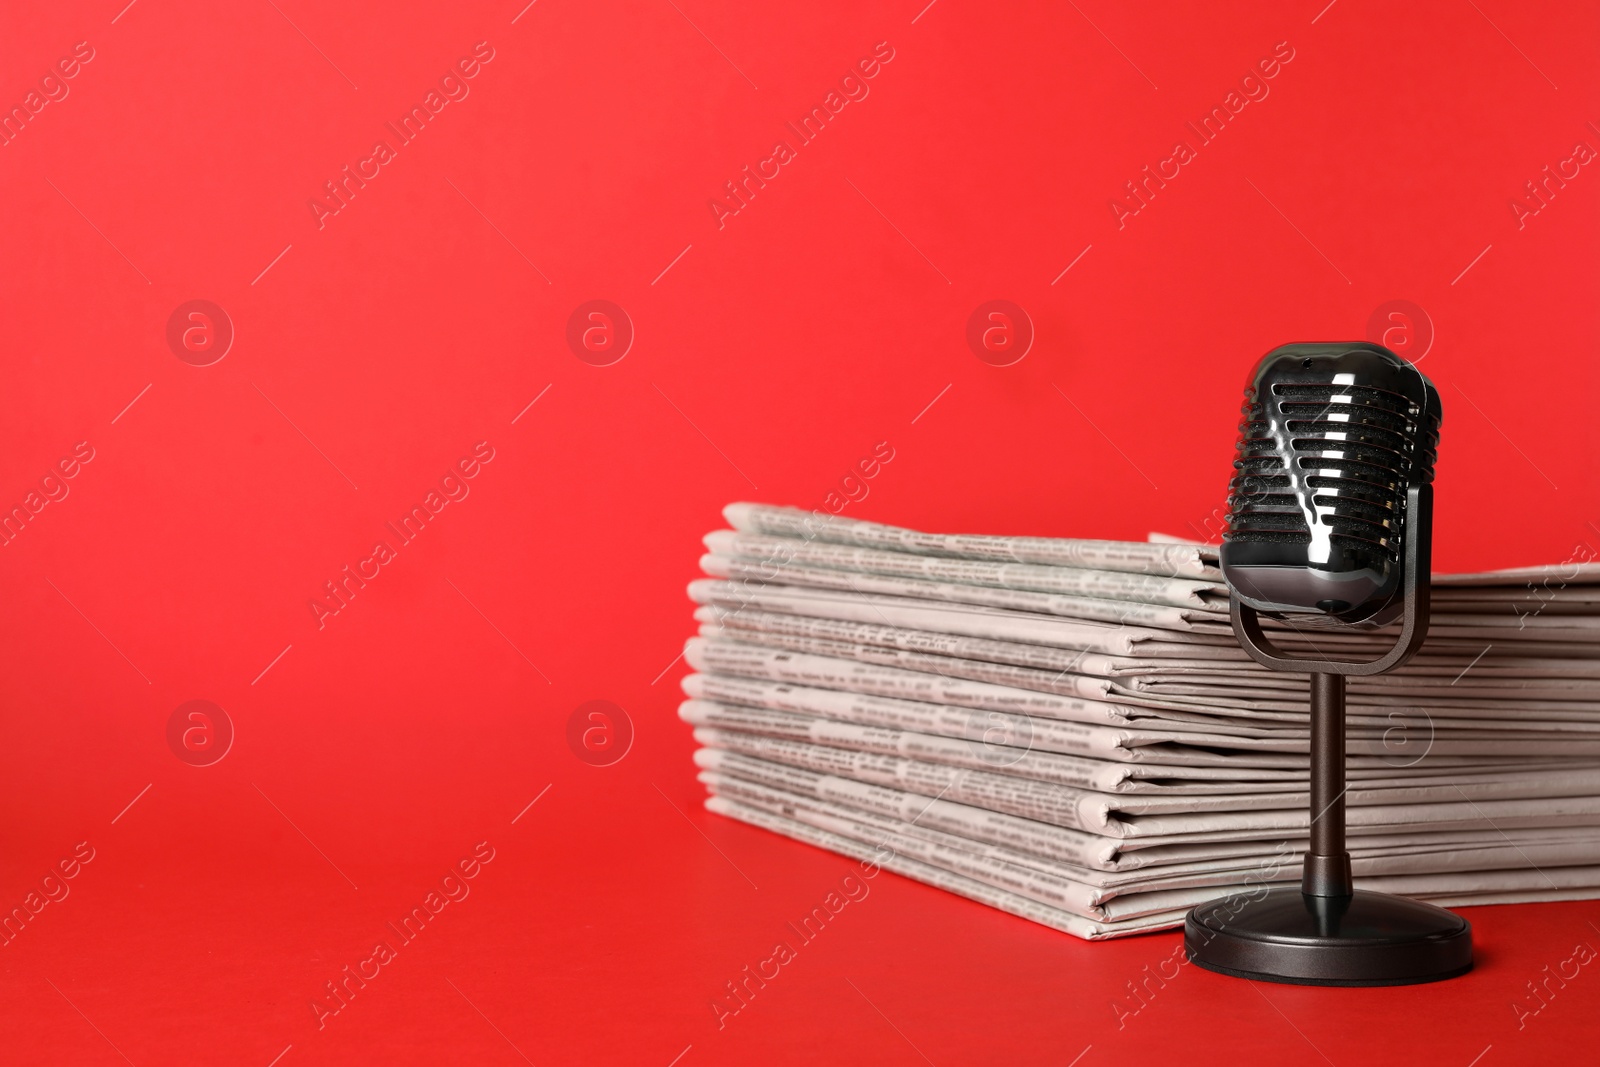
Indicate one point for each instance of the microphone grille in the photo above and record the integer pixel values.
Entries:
(1337, 454)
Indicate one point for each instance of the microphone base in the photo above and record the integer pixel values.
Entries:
(1365, 939)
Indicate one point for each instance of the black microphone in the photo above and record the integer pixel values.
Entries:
(1332, 437)
(1330, 524)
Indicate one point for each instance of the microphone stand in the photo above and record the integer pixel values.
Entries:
(1328, 932)
(1327, 864)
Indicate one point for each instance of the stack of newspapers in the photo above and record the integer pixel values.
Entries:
(1069, 731)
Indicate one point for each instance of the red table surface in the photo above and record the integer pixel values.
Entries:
(774, 349)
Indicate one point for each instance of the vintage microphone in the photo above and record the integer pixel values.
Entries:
(1330, 527)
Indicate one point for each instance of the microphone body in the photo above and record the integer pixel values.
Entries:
(1333, 436)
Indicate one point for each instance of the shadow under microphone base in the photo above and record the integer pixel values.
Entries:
(1327, 932)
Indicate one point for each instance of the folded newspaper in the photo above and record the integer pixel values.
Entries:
(1068, 731)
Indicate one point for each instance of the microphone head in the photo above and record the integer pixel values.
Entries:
(1332, 438)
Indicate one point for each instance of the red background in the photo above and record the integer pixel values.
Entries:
(773, 354)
